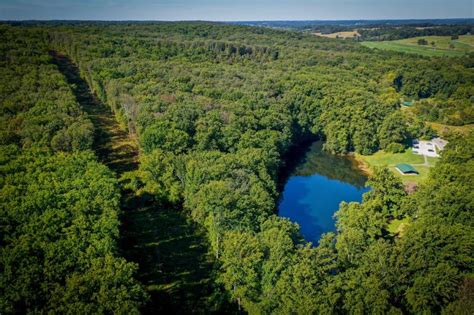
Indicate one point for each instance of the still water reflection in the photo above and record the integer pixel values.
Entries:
(315, 188)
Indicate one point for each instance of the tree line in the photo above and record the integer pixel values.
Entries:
(383, 32)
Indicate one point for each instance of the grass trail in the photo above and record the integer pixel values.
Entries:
(174, 265)
(114, 146)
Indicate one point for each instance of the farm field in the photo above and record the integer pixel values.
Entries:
(443, 46)
(349, 34)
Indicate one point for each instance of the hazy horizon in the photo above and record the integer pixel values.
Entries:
(231, 11)
(246, 21)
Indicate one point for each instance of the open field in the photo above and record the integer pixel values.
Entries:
(349, 34)
(442, 129)
(443, 45)
(385, 159)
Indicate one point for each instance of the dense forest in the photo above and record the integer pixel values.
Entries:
(215, 109)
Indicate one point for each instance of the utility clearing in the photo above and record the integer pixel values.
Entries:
(171, 252)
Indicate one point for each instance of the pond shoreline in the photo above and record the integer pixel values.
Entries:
(360, 164)
(312, 186)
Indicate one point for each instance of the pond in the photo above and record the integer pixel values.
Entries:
(316, 186)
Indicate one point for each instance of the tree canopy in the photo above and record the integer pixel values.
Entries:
(215, 108)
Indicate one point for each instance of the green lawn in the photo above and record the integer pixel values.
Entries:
(422, 170)
(461, 46)
(385, 159)
(382, 158)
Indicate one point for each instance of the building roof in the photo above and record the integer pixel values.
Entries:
(407, 103)
(406, 168)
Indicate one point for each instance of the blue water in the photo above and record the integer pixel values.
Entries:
(312, 199)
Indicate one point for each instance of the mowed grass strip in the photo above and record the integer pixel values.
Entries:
(389, 160)
(442, 47)
(382, 158)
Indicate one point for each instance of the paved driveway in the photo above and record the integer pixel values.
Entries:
(426, 148)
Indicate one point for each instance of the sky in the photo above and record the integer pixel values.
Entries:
(233, 10)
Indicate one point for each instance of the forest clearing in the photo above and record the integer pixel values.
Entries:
(390, 160)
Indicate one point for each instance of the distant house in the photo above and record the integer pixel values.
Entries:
(406, 169)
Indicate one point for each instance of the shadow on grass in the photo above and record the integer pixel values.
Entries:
(174, 264)
(113, 145)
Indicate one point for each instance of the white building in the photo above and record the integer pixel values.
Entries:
(429, 148)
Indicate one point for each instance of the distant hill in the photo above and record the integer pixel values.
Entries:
(353, 23)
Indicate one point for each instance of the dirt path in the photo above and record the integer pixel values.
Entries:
(174, 265)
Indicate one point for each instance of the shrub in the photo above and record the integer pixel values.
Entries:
(422, 41)
(395, 148)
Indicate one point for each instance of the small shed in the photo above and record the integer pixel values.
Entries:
(407, 103)
(406, 169)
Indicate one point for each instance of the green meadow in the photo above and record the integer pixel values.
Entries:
(443, 46)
